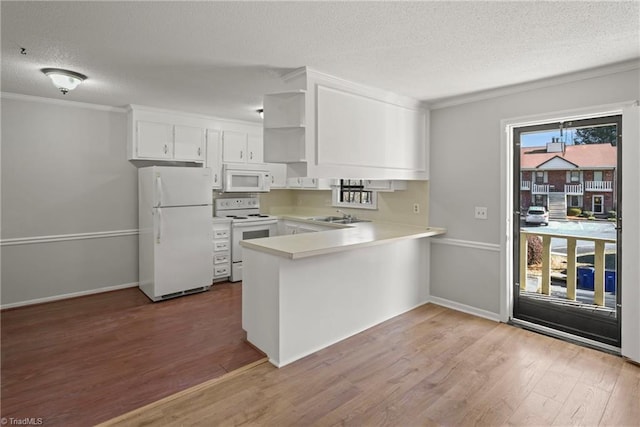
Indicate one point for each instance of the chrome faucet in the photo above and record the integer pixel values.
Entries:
(345, 215)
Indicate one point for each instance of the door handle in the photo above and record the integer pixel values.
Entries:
(158, 191)
(240, 153)
(159, 234)
(250, 155)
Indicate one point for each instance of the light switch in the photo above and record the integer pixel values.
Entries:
(481, 212)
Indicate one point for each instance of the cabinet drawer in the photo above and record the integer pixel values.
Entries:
(220, 246)
(221, 271)
(221, 234)
(221, 259)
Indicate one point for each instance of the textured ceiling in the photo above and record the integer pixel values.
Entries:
(219, 58)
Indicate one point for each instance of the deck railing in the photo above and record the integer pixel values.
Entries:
(539, 188)
(573, 189)
(525, 185)
(545, 288)
(598, 185)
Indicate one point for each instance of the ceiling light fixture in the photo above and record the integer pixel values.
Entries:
(64, 80)
(261, 112)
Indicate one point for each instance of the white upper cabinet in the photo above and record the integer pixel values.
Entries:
(308, 183)
(234, 147)
(158, 136)
(154, 140)
(213, 157)
(188, 143)
(278, 172)
(384, 185)
(241, 147)
(328, 127)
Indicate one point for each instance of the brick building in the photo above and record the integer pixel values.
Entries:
(560, 176)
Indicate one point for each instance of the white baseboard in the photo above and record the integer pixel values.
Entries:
(66, 296)
(465, 308)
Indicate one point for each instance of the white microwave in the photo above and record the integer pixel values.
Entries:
(246, 179)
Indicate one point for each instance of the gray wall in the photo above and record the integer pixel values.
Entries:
(65, 171)
(465, 172)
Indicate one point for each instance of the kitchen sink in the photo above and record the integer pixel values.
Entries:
(326, 218)
(337, 219)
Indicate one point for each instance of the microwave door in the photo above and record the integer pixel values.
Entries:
(239, 181)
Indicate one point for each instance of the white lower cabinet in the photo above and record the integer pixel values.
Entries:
(289, 226)
(221, 249)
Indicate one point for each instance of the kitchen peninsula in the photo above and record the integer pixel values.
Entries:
(304, 292)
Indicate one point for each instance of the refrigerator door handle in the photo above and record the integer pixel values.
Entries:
(158, 191)
(159, 233)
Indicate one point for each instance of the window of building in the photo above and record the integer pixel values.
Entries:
(353, 194)
(539, 177)
(575, 176)
(540, 200)
(575, 201)
(597, 175)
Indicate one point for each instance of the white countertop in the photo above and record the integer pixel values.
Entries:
(344, 237)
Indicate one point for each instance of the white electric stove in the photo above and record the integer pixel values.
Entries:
(246, 223)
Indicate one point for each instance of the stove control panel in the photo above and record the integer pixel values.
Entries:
(238, 203)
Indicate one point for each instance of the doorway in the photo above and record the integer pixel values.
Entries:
(567, 261)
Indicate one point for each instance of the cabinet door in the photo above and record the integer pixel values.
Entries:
(378, 184)
(188, 143)
(214, 157)
(234, 146)
(278, 173)
(309, 182)
(154, 140)
(384, 185)
(294, 182)
(317, 183)
(255, 148)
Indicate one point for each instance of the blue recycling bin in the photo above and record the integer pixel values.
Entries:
(585, 278)
(610, 281)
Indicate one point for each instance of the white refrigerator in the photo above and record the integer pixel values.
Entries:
(176, 234)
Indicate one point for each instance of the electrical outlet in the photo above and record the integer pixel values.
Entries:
(416, 208)
(481, 212)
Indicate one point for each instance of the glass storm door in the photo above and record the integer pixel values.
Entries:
(567, 273)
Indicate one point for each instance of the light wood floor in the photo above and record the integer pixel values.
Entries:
(85, 360)
(430, 366)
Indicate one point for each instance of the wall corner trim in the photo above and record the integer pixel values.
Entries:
(61, 102)
(494, 247)
(66, 237)
(591, 73)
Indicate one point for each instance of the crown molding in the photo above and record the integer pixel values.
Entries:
(62, 102)
(616, 68)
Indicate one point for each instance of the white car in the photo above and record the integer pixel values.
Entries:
(537, 215)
